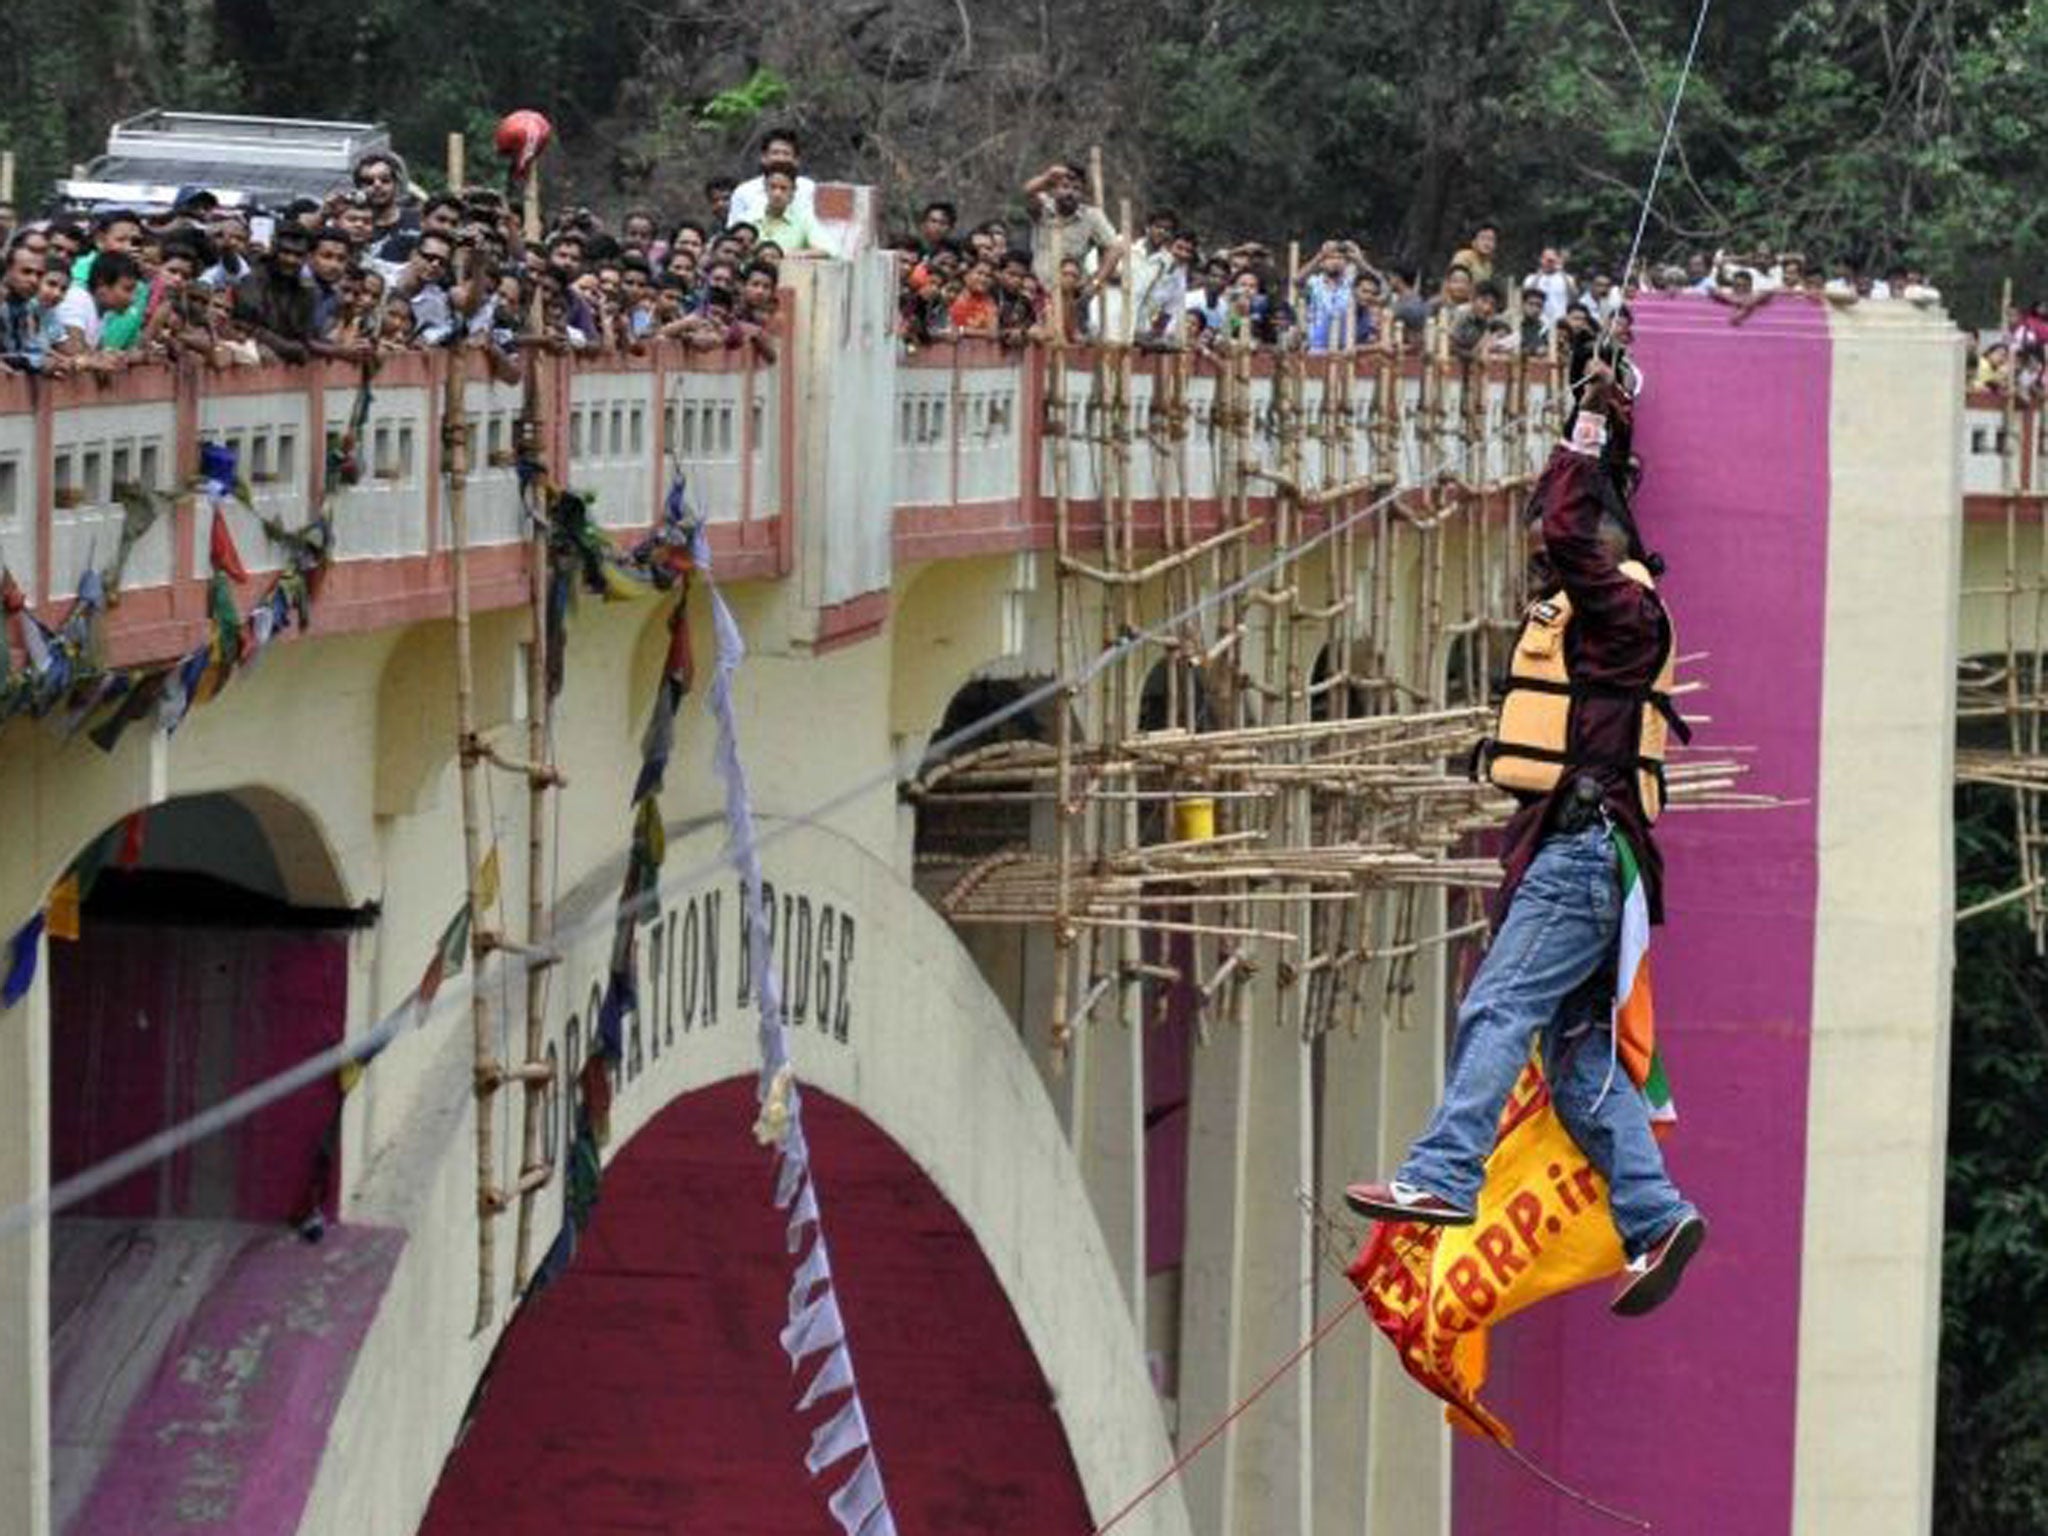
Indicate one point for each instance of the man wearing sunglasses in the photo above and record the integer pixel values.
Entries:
(380, 177)
(424, 283)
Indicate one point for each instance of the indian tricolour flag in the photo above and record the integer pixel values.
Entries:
(1635, 1025)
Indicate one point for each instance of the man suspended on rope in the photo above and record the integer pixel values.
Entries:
(1581, 745)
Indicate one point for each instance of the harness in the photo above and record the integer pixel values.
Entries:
(1536, 741)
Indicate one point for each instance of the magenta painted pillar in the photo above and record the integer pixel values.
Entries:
(1687, 1417)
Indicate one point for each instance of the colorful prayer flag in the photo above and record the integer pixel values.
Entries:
(63, 909)
(225, 559)
(487, 880)
(22, 950)
(133, 829)
(450, 954)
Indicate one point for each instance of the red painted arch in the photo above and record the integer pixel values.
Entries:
(646, 1392)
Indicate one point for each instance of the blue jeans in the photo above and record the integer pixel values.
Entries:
(1547, 975)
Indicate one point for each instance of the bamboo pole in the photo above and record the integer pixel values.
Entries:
(542, 778)
(489, 1197)
(1064, 931)
(455, 163)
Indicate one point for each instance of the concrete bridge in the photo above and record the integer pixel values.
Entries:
(1097, 1262)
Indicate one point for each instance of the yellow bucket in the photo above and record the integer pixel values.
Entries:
(1194, 821)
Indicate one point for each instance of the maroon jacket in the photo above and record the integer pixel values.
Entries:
(1617, 636)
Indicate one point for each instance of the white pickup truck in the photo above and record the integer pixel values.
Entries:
(246, 162)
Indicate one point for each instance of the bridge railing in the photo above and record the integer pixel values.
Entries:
(616, 427)
(2005, 451)
(968, 457)
(971, 448)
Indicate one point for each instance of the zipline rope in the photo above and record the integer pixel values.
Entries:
(1664, 147)
(1635, 245)
(1272, 1378)
(1237, 1411)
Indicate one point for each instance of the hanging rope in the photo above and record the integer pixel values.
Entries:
(1209, 1436)
(1272, 1379)
(1635, 245)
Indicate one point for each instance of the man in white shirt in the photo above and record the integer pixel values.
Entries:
(1160, 224)
(1160, 280)
(779, 152)
(1556, 284)
(109, 289)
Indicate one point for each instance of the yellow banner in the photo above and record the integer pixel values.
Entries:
(1542, 1227)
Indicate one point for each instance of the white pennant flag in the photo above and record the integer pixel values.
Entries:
(820, 1327)
(35, 644)
(805, 1215)
(791, 1172)
(860, 1498)
(841, 1435)
(860, 1506)
(835, 1375)
(262, 624)
(815, 1269)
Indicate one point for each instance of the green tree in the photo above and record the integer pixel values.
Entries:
(1991, 1468)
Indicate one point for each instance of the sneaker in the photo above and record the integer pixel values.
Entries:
(1653, 1276)
(1395, 1201)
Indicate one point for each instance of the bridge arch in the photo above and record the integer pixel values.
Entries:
(211, 949)
(673, 1307)
(914, 1045)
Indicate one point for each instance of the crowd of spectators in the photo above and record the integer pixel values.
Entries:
(1069, 268)
(378, 268)
(2013, 360)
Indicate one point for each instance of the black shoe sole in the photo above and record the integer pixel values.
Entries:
(1652, 1290)
(1378, 1212)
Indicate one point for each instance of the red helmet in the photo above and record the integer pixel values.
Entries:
(521, 136)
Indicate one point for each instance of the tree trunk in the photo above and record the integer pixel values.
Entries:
(198, 17)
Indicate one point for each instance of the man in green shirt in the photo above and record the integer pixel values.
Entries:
(789, 224)
(115, 230)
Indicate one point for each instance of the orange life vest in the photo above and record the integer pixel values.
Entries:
(1532, 747)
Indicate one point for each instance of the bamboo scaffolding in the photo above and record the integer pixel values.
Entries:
(2009, 692)
(1321, 715)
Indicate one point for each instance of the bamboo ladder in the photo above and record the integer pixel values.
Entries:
(473, 753)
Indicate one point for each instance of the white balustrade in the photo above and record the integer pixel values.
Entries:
(269, 436)
(93, 450)
(20, 495)
(384, 514)
(492, 507)
(611, 449)
(986, 420)
(924, 437)
(705, 433)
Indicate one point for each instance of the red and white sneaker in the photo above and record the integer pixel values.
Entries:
(1652, 1276)
(1395, 1201)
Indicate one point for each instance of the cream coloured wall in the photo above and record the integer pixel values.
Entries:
(931, 1057)
(358, 729)
(1981, 625)
(1877, 1106)
(58, 795)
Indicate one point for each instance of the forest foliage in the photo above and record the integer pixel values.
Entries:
(1875, 130)
(1992, 1427)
